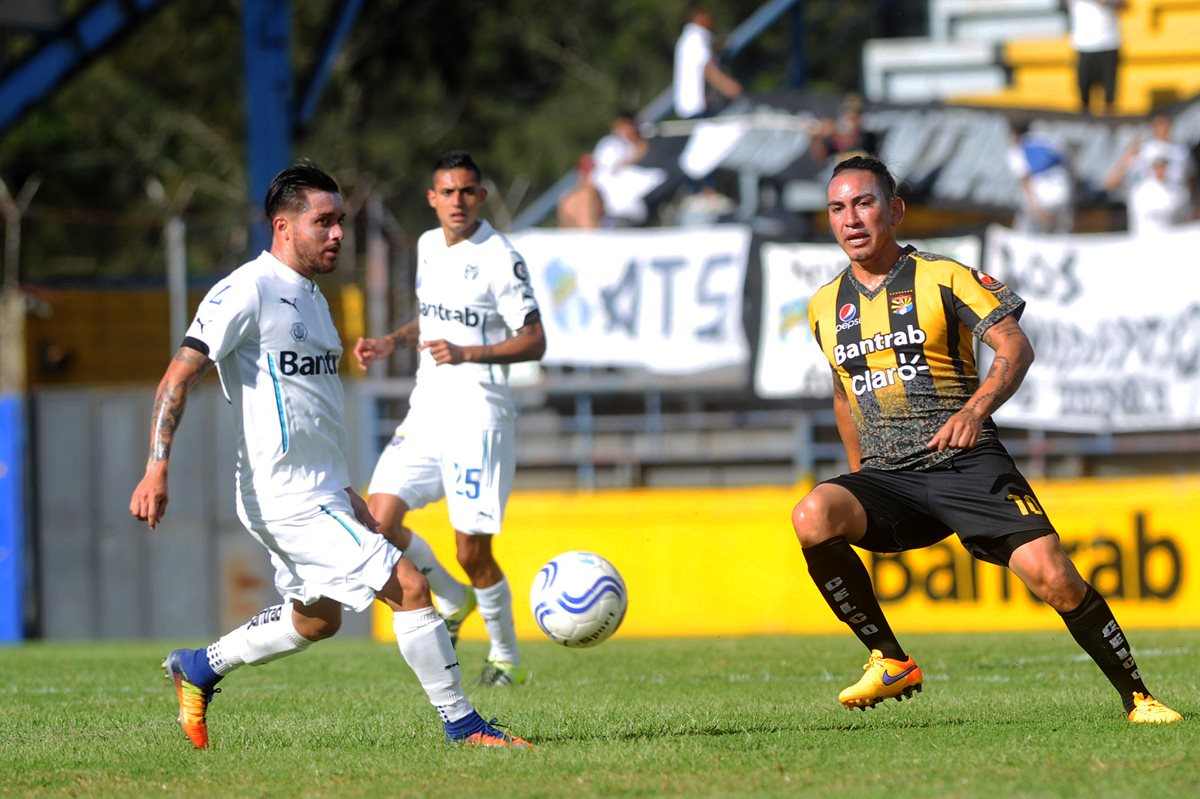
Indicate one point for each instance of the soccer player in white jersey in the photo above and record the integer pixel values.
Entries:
(268, 330)
(477, 313)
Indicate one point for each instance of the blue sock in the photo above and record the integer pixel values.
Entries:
(196, 667)
(468, 725)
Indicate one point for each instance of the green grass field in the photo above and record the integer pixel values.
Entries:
(1001, 715)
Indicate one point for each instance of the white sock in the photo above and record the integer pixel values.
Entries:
(449, 593)
(269, 635)
(426, 648)
(495, 606)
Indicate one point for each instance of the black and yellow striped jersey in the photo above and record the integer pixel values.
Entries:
(905, 352)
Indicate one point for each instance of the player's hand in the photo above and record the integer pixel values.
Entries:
(149, 501)
(362, 512)
(961, 431)
(373, 349)
(443, 351)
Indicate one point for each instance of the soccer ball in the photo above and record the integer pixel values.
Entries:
(578, 599)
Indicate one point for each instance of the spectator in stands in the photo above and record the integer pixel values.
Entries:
(844, 137)
(1136, 163)
(1046, 203)
(623, 184)
(696, 69)
(581, 206)
(1156, 203)
(1096, 39)
(926, 461)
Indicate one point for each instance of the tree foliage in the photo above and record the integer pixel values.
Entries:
(157, 126)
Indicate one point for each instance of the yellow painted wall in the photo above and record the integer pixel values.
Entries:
(725, 562)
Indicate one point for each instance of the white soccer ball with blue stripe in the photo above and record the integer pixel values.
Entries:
(578, 599)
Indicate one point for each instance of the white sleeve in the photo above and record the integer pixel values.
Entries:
(514, 291)
(226, 317)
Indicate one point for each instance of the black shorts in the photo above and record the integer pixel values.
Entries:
(979, 494)
(1099, 69)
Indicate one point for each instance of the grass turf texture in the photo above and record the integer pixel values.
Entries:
(1010, 715)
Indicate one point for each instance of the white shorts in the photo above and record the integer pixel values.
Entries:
(323, 551)
(472, 468)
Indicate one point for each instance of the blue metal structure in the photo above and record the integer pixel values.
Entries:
(13, 481)
(68, 50)
(271, 111)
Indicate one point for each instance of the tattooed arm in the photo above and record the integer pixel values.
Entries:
(149, 502)
(1013, 356)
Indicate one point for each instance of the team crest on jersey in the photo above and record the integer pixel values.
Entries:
(471, 272)
(397, 440)
(299, 332)
(521, 271)
(901, 303)
(987, 281)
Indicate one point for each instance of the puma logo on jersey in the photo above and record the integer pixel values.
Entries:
(291, 302)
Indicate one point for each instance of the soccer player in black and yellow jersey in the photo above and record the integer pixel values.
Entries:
(898, 327)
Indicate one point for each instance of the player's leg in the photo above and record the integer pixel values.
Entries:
(503, 664)
(478, 471)
(827, 521)
(270, 634)
(454, 600)
(408, 475)
(425, 645)
(1044, 566)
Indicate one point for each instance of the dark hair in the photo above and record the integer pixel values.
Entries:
(458, 159)
(876, 167)
(289, 189)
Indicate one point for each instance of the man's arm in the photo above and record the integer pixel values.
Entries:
(721, 81)
(1013, 356)
(149, 501)
(527, 344)
(374, 349)
(845, 424)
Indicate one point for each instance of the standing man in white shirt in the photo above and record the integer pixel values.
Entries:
(1096, 39)
(696, 69)
(268, 330)
(477, 314)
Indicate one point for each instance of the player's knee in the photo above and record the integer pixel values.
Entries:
(414, 586)
(318, 629)
(475, 555)
(810, 520)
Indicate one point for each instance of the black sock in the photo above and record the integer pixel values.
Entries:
(1094, 628)
(844, 582)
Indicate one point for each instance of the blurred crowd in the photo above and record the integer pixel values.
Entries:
(1153, 180)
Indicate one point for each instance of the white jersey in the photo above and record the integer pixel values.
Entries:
(277, 351)
(693, 51)
(471, 294)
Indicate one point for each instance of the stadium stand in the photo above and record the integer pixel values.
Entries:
(1015, 53)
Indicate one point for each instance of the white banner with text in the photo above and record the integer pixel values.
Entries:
(665, 300)
(1115, 328)
(790, 364)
